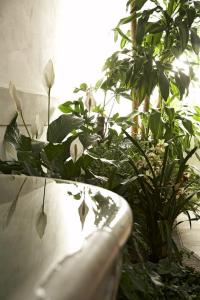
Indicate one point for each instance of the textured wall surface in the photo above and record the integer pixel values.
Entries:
(28, 41)
(27, 30)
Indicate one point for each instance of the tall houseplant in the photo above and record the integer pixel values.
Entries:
(161, 32)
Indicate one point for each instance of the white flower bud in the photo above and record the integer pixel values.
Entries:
(49, 75)
(14, 96)
(76, 149)
(89, 101)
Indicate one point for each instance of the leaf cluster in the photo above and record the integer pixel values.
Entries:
(163, 33)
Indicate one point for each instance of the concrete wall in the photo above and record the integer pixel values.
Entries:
(28, 41)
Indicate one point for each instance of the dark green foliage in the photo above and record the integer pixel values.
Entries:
(52, 158)
(164, 32)
(165, 280)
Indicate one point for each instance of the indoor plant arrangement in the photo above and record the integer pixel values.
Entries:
(149, 166)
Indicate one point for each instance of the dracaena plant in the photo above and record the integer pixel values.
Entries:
(160, 33)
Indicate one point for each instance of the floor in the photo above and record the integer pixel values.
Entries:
(189, 239)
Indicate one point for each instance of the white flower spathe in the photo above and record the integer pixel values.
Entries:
(76, 149)
(90, 101)
(48, 75)
(37, 127)
(15, 97)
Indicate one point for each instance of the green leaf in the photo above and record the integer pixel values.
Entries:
(31, 163)
(188, 125)
(137, 145)
(195, 40)
(123, 35)
(62, 126)
(9, 167)
(170, 113)
(163, 84)
(57, 151)
(140, 32)
(139, 4)
(123, 43)
(12, 134)
(183, 164)
(156, 27)
(66, 107)
(184, 35)
(125, 20)
(155, 123)
(83, 87)
(88, 139)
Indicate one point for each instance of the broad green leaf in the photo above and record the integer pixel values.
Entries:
(66, 107)
(188, 125)
(88, 139)
(184, 35)
(195, 40)
(9, 167)
(191, 14)
(156, 27)
(37, 146)
(163, 84)
(12, 134)
(155, 123)
(83, 87)
(57, 151)
(62, 126)
(140, 32)
(31, 163)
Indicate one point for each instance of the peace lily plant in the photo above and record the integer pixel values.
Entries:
(143, 156)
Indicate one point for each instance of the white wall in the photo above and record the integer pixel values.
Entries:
(76, 35)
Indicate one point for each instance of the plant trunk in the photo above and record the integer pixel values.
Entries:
(135, 102)
(145, 110)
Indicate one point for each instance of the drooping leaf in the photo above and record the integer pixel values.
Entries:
(184, 35)
(155, 123)
(188, 125)
(62, 126)
(195, 40)
(163, 84)
(31, 163)
(140, 32)
(139, 4)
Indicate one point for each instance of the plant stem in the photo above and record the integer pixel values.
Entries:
(25, 124)
(49, 98)
(135, 102)
(145, 110)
